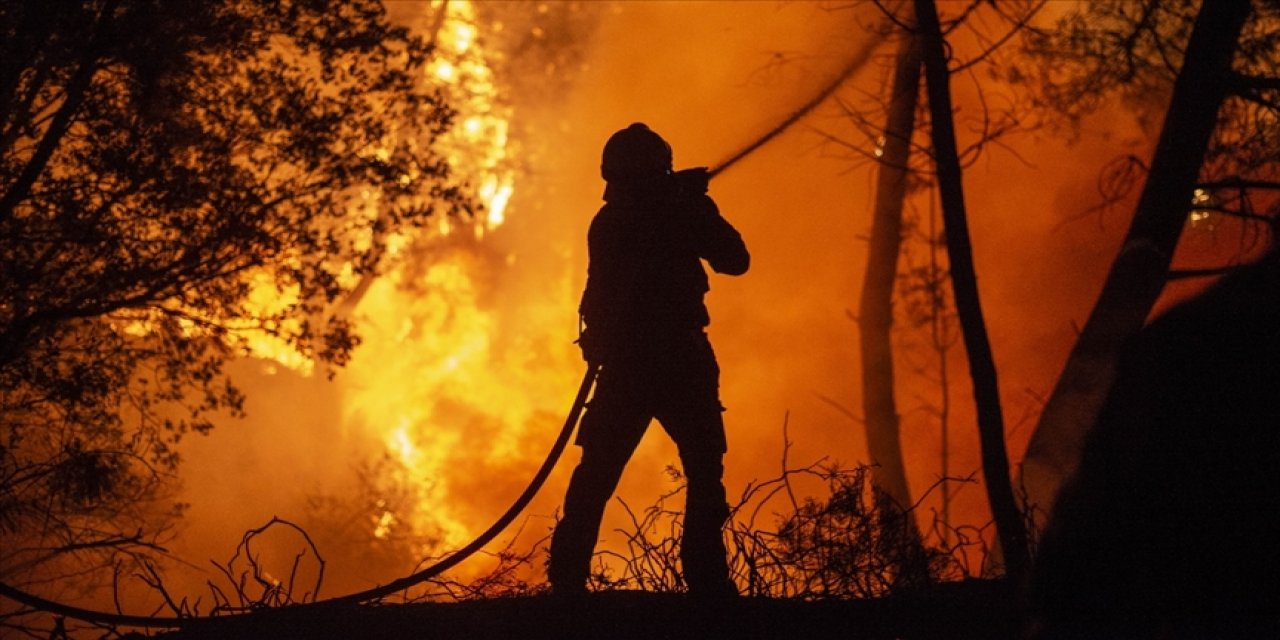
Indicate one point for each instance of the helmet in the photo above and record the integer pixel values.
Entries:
(635, 153)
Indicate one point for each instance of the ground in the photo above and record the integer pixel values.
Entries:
(971, 609)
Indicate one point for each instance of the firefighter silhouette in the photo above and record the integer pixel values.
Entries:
(645, 326)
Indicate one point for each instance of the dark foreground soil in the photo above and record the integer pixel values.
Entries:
(973, 609)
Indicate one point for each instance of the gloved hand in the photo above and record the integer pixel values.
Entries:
(692, 182)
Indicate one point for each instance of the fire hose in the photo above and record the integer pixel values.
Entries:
(571, 421)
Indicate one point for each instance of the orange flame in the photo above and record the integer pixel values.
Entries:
(430, 377)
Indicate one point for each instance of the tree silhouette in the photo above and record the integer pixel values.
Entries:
(921, 291)
(875, 307)
(964, 282)
(1218, 135)
(178, 180)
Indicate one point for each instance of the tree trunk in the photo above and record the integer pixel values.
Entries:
(964, 282)
(1138, 273)
(875, 309)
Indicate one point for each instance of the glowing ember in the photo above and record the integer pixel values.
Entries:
(1202, 217)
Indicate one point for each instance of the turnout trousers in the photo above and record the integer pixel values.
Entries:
(676, 382)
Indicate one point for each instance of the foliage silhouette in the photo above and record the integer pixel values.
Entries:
(178, 184)
(844, 544)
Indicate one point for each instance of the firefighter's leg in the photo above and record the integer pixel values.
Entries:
(608, 437)
(692, 416)
(699, 435)
(702, 551)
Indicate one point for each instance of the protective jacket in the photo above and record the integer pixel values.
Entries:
(645, 279)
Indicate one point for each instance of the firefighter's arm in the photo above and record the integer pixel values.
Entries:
(599, 298)
(718, 242)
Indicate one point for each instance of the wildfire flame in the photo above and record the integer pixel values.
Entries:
(431, 382)
(432, 385)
